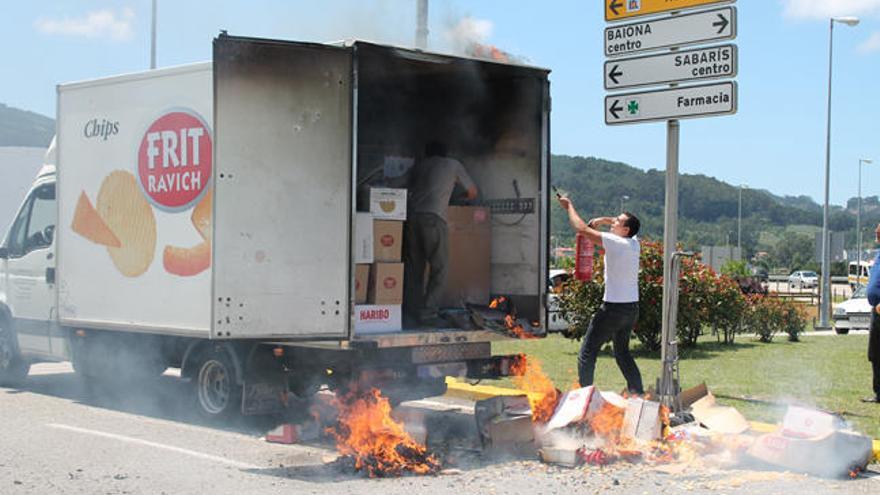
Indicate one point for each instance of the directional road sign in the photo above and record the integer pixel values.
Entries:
(675, 103)
(665, 68)
(616, 10)
(681, 30)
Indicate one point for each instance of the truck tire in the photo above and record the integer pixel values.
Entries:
(217, 393)
(13, 368)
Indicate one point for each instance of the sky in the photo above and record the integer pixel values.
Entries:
(776, 141)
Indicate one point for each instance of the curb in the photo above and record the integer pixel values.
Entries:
(461, 390)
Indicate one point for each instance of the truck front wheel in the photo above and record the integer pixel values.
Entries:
(217, 391)
(13, 368)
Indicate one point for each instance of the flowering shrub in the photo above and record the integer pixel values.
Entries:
(767, 316)
(705, 300)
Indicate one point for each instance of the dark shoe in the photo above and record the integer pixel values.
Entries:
(872, 400)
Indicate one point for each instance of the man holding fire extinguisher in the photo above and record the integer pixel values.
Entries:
(619, 311)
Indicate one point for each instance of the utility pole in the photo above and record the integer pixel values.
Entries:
(422, 25)
(153, 38)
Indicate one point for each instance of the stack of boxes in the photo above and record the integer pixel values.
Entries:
(378, 258)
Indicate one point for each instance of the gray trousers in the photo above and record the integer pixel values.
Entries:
(426, 244)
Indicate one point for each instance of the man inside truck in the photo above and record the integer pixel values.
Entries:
(432, 182)
(619, 311)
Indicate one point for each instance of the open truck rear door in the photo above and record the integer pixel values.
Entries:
(283, 185)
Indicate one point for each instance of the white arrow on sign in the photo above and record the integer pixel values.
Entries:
(687, 65)
(680, 30)
(675, 103)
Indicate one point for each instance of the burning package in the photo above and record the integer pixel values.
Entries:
(505, 423)
(814, 442)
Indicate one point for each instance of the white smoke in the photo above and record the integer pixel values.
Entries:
(466, 31)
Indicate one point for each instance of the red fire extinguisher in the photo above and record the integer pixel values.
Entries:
(583, 259)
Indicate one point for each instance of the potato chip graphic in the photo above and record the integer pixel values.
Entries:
(387, 206)
(201, 215)
(87, 223)
(130, 217)
(187, 262)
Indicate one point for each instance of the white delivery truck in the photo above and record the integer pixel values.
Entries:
(203, 217)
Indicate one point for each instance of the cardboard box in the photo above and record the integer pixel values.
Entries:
(642, 420)
(803, 422)
(363, 234)
(387, 241)
(361, 283)
(572, 408)
(386, 284)
(504, 424)
(831, 455)
(720, 419)
(470, 255)
(387, 203)
(376, 318)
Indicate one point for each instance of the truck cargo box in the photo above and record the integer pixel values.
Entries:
(219, 200)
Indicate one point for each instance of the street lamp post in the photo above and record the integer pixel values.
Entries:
(825, 297)
(739, 220)
(859, 225)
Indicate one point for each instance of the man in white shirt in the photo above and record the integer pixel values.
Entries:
(619, 312)
(431, 185)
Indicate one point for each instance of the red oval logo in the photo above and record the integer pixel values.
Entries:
(387, 240)
(175, 160)
(389, 282)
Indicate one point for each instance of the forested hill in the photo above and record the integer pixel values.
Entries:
(707, 206)
(23, 128)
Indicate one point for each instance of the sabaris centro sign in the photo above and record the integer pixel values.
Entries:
(175, 160)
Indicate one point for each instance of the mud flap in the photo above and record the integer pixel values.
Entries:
(267, 396)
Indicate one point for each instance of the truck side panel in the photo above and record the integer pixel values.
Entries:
(281, 244)
(134, 162)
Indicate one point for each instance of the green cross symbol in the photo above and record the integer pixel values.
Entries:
(633, 107)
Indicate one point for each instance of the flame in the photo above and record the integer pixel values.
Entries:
(608, 423)
(516, 329)
(497, 302)
(529, 377)
(378, 444)
(489, 52)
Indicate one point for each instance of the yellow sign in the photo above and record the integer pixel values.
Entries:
(616, 10)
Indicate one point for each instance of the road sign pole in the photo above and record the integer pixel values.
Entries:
(670, 234)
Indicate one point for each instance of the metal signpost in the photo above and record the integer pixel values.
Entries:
(670, 104)
(617, 10)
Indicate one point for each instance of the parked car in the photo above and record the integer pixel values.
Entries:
(555, 321)
(854, 313)
(803, 279)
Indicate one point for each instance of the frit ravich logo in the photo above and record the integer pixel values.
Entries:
(633, 5)
(175, 160)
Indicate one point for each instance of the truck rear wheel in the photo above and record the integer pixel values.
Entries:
(218, 395)
(13, 368)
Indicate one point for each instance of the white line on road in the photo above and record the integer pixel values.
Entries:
(171, 448)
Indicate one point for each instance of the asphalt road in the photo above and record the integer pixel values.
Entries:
(58, 436)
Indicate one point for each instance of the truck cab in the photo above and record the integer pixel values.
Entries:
(27, 281)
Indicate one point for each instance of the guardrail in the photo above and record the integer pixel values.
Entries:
(841, 279)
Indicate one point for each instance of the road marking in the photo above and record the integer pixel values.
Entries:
(171, 448)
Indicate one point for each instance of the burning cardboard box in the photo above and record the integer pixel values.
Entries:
(642, 420)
